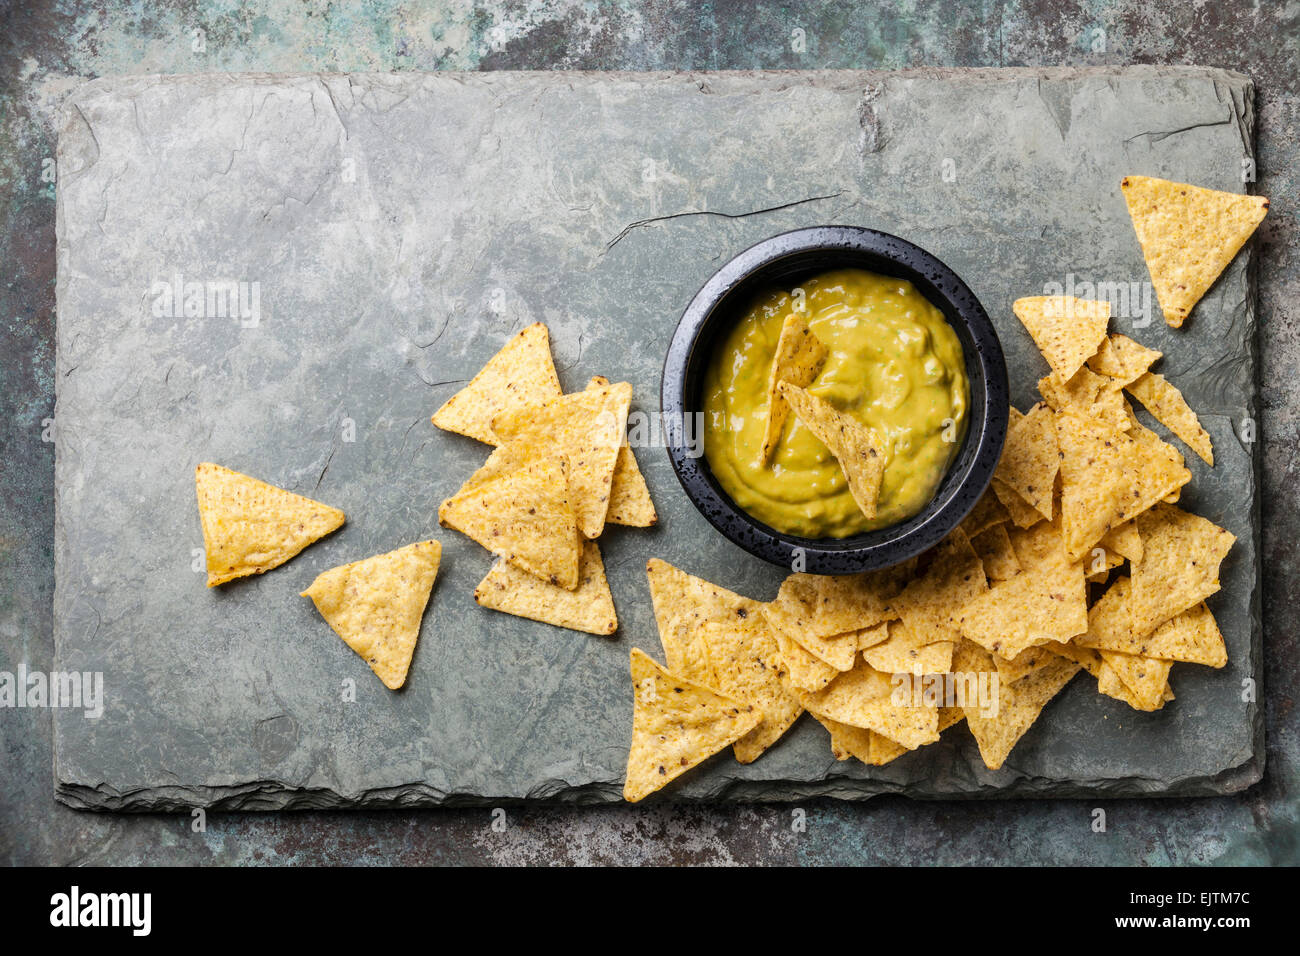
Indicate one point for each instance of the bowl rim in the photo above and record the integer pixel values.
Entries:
(952, 501)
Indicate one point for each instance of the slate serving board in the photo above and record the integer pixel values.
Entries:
(396, 229)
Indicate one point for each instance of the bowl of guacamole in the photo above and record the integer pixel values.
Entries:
(904, 348)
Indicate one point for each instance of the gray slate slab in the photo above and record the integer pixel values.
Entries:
(399, 228)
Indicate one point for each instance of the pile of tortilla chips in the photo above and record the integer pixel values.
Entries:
(1077, 558)
(561, 470)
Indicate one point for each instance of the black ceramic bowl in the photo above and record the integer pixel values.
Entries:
(783, 262)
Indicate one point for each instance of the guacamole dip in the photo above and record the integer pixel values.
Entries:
(894, 364)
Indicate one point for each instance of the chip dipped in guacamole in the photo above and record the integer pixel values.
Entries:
(892, 363)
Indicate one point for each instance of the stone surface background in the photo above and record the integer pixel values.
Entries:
(474, 204)
(48, 49)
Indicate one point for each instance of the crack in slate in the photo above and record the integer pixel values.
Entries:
(707, 212)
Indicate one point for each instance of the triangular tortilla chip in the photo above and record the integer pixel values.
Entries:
(1047, 601)
(993, 545)
(1181, 554)
(1030, 460)
(1087, 394)
(629, 497)
(858, 449)
(1145, 677)
(1122, 360)
(1019, 706)
(589, 428)
(1022, 513)
(799, 356)
(519, 375)
(682, 602)
(1191, 636)
(1167, 405)
(589, 607)
(748, 667)
(1188, 236)
(1109, 683)
(871, 748)
(676, 725)
(376, 605)
(1156, 471)
(803, 671)
(794, 614)
(988, 511)
(1027, 662)
(522, 515)
(930, 604)
(1066, 330)
(1124, 540)
(903, 653)
(630, 503)
(250, 526)
(864, 697)
(1096, 460)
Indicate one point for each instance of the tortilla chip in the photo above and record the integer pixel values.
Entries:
(797, 613)
(1047, 601)
(676, 725)
(250, 527)
(589, 607)
(1087, 394)
(522, 515)
(682, 602)
(1155, 471)
(1122, 360)
(869, 637)
(860, 452)
(1023, 514)
(813, 606)
(799, 356)
(629, 498)
(1027, 662)
(993, 545)
(589, 428)
(1066, 330)
(930, 604)
(519, 375)
(1179, 567)
(867, 746)
(1192, 636)
(630, 503)
(1188, 236)
(1019, 706)
(376, 605)
(863, 697)
(988, 511)
(1037, 545)
(803, 671)
(1167, 405)
(1124, 540)
(1109, 683)
(1098, 562)
(1145, 677)
(1095, 464)
(903, 653)
(1030, 459)
(748, 666)
(1087, 658)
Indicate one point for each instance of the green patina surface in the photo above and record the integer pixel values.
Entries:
(47, 48)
